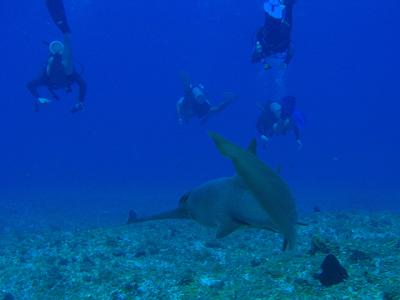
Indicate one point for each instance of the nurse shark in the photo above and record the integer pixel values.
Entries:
(230, 203)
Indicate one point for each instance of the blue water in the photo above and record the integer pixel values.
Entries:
(126, 150)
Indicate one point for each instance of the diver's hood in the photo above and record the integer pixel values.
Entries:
(54, 43)
(275, 8)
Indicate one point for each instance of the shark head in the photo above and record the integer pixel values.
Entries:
(183, 207)
(183, 201)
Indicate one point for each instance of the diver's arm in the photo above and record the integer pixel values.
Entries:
(265, 133)
(257, 55)
(227, 99)
(297, 135)
(181, 119)
(67, 55)
(289, 13)
(258, 49)
(32, 87)
(79, 106)
(296, 131)
(185, 82)
(261, 128)
(178, 108)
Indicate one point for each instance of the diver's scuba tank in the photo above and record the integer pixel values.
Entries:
(275, 8)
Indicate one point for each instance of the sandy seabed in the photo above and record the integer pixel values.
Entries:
(177, 259)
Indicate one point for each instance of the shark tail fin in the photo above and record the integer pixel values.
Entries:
(225, 147)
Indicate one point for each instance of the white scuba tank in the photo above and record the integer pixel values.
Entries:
(275, 8)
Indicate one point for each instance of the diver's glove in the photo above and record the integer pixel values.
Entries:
(42, 100)
(78, 107)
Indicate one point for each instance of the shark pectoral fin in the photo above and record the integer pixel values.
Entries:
(271, 228)
(227, 228)
(252, 148)
(302, 224)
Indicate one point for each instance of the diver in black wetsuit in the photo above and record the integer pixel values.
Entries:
(277, 118)
(59, 72)
(194, 103)
(274, 38)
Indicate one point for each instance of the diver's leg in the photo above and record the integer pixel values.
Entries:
(67, 55)
(280, 83)
(266, 78)
(33, 86)
(228, 99)
(57, 13)
(184, 111)
(280, 77)
(53, 93)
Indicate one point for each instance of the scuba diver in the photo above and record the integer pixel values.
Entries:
(195, 103)
(59, 72)
(273, 40)
(277, 118)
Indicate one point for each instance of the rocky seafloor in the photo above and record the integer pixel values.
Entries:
(177, 259)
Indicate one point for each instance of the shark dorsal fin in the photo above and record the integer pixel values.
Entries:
(252, 148)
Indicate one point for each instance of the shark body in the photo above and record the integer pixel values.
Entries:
(223, 203)
(256, 197)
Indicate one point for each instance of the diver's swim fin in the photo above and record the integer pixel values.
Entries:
(57, 13)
